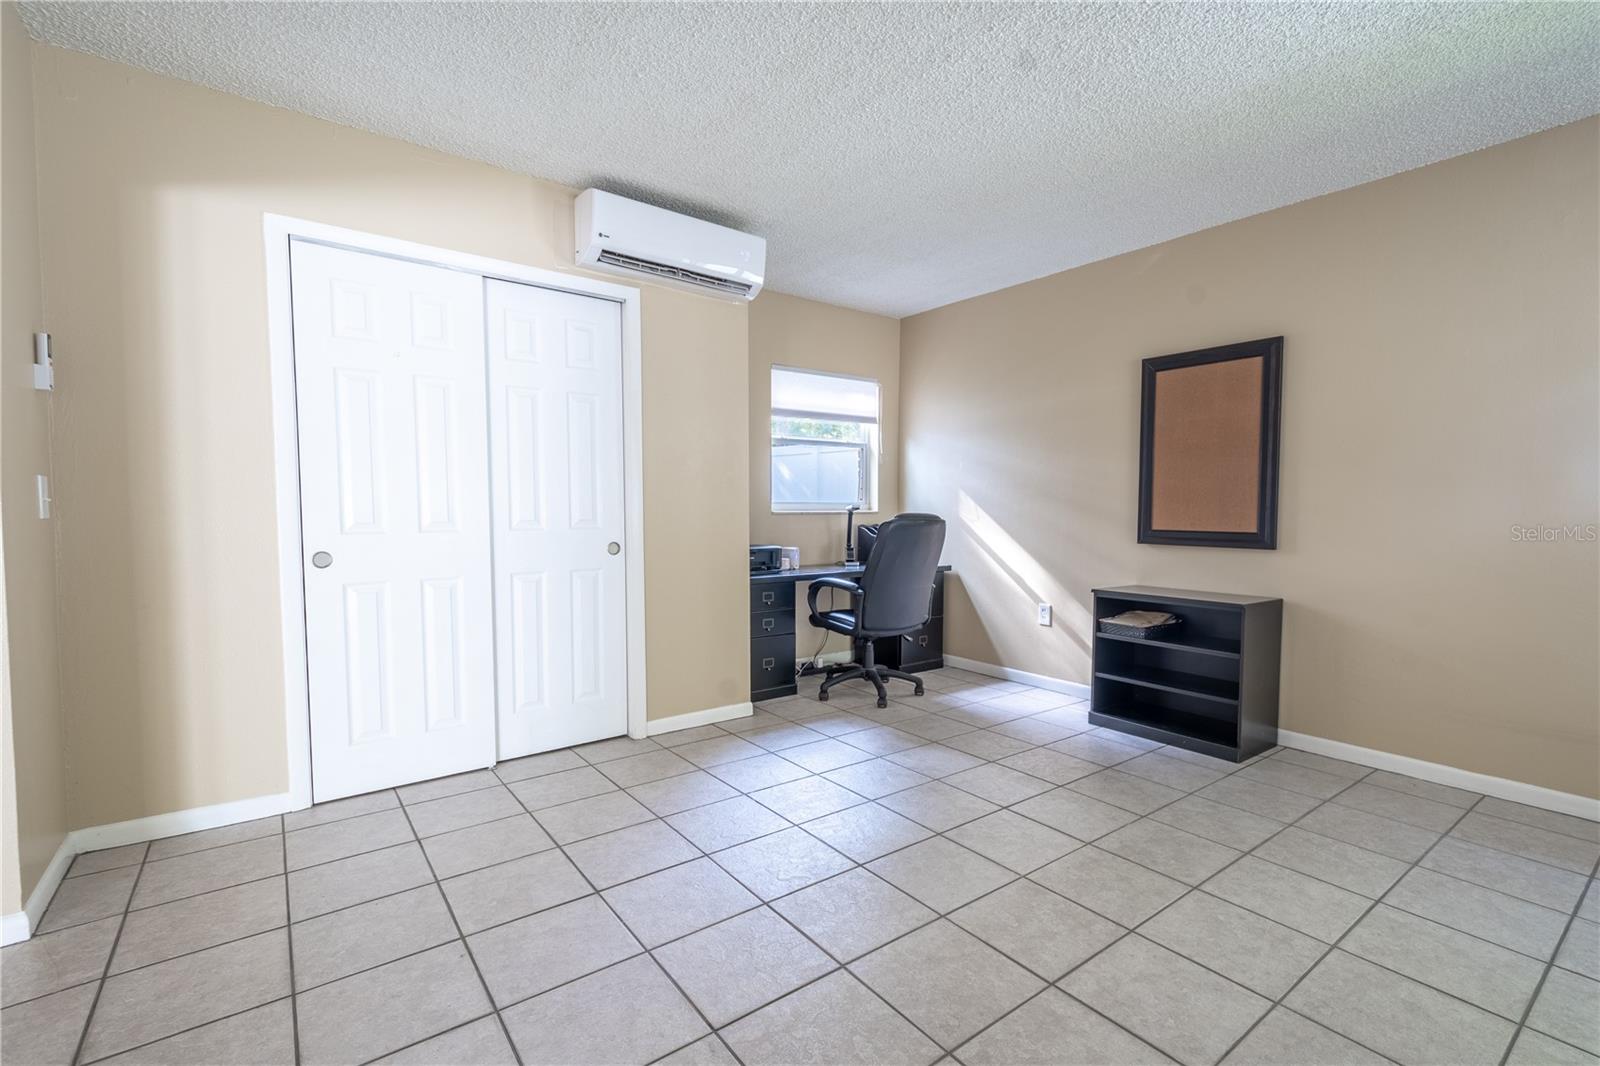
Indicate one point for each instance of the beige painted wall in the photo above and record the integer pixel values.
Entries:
(34, 772)
(790, 331)
(1440, 386)
(151, 197)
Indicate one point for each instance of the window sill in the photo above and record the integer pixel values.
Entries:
(823, 510)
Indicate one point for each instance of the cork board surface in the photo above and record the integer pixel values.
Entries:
(1206, 447)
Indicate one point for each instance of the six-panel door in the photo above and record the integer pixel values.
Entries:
(556, 448)
(394, 479)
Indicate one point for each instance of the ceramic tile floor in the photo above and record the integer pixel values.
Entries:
(974, 873)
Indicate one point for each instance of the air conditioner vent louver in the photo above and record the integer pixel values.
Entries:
(672, 273)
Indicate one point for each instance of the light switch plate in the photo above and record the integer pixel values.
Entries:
(1044, 614)
(43, 484)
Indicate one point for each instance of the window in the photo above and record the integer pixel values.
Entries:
(824, 441)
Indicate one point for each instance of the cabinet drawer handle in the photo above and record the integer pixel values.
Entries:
(768, 623)
(923, 641)
(768, 597)
(768, 663)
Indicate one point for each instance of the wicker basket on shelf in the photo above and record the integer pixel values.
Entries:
(1144, 625)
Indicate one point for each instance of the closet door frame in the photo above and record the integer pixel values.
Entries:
(278, 231)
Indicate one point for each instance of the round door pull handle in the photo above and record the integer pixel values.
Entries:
(613, 548)
(322, 560)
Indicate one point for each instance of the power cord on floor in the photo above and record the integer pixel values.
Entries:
(815, 660)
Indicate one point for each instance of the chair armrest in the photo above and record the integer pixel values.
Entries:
(830, 583)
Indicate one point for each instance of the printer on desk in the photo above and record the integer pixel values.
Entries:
(765, 558)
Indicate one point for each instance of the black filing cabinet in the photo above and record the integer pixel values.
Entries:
(921, 649)
(771, 640)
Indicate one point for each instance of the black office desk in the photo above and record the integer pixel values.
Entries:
(772, 629)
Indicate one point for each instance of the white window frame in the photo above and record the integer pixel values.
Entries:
(872, 449)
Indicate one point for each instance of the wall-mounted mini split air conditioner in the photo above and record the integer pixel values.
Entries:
(622, 236)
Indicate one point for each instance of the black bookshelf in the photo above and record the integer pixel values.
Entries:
(1211, 687)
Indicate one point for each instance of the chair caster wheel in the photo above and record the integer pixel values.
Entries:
(918, 690)
(883, 703)
(823, 696)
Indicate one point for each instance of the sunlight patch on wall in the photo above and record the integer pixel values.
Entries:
(1006, 583)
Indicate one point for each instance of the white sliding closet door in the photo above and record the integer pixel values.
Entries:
(394, 481)
(555, 418)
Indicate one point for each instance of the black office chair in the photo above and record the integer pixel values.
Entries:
(893, 597)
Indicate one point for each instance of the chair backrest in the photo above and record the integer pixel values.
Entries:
(897, 587)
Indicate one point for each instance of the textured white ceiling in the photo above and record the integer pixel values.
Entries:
(900, 156)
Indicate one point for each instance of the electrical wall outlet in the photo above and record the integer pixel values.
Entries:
(43, 375)
(1044, 614)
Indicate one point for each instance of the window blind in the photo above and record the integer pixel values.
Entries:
(807, 394)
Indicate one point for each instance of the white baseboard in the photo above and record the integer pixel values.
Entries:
(15, 928)
(691, 719)
(173, 823)
(1499, 787)
(1006, 673)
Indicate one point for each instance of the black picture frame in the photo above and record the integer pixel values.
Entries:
(1270, 351)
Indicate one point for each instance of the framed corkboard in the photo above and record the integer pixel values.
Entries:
(1208, 446)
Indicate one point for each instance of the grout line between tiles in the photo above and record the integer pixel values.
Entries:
(1312, 1021)
(755, 907)
(201, 1025)
(56, 991)
(712, 1035)
(109, 869)
(1467, 932)
(607, 903)
(1134, 931)
(764, 904)
(290, 996)
(1052, 986)
(1188, 890)
(1048, 984)
(444, 1032)
(170, 958)
(970, 729)
(83, 1034)
(1538, 988)
(938, 916)
(211, 847)
(336, 819)
(461, 938)
(1335, 946)
(288, 936)
(657, 817)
